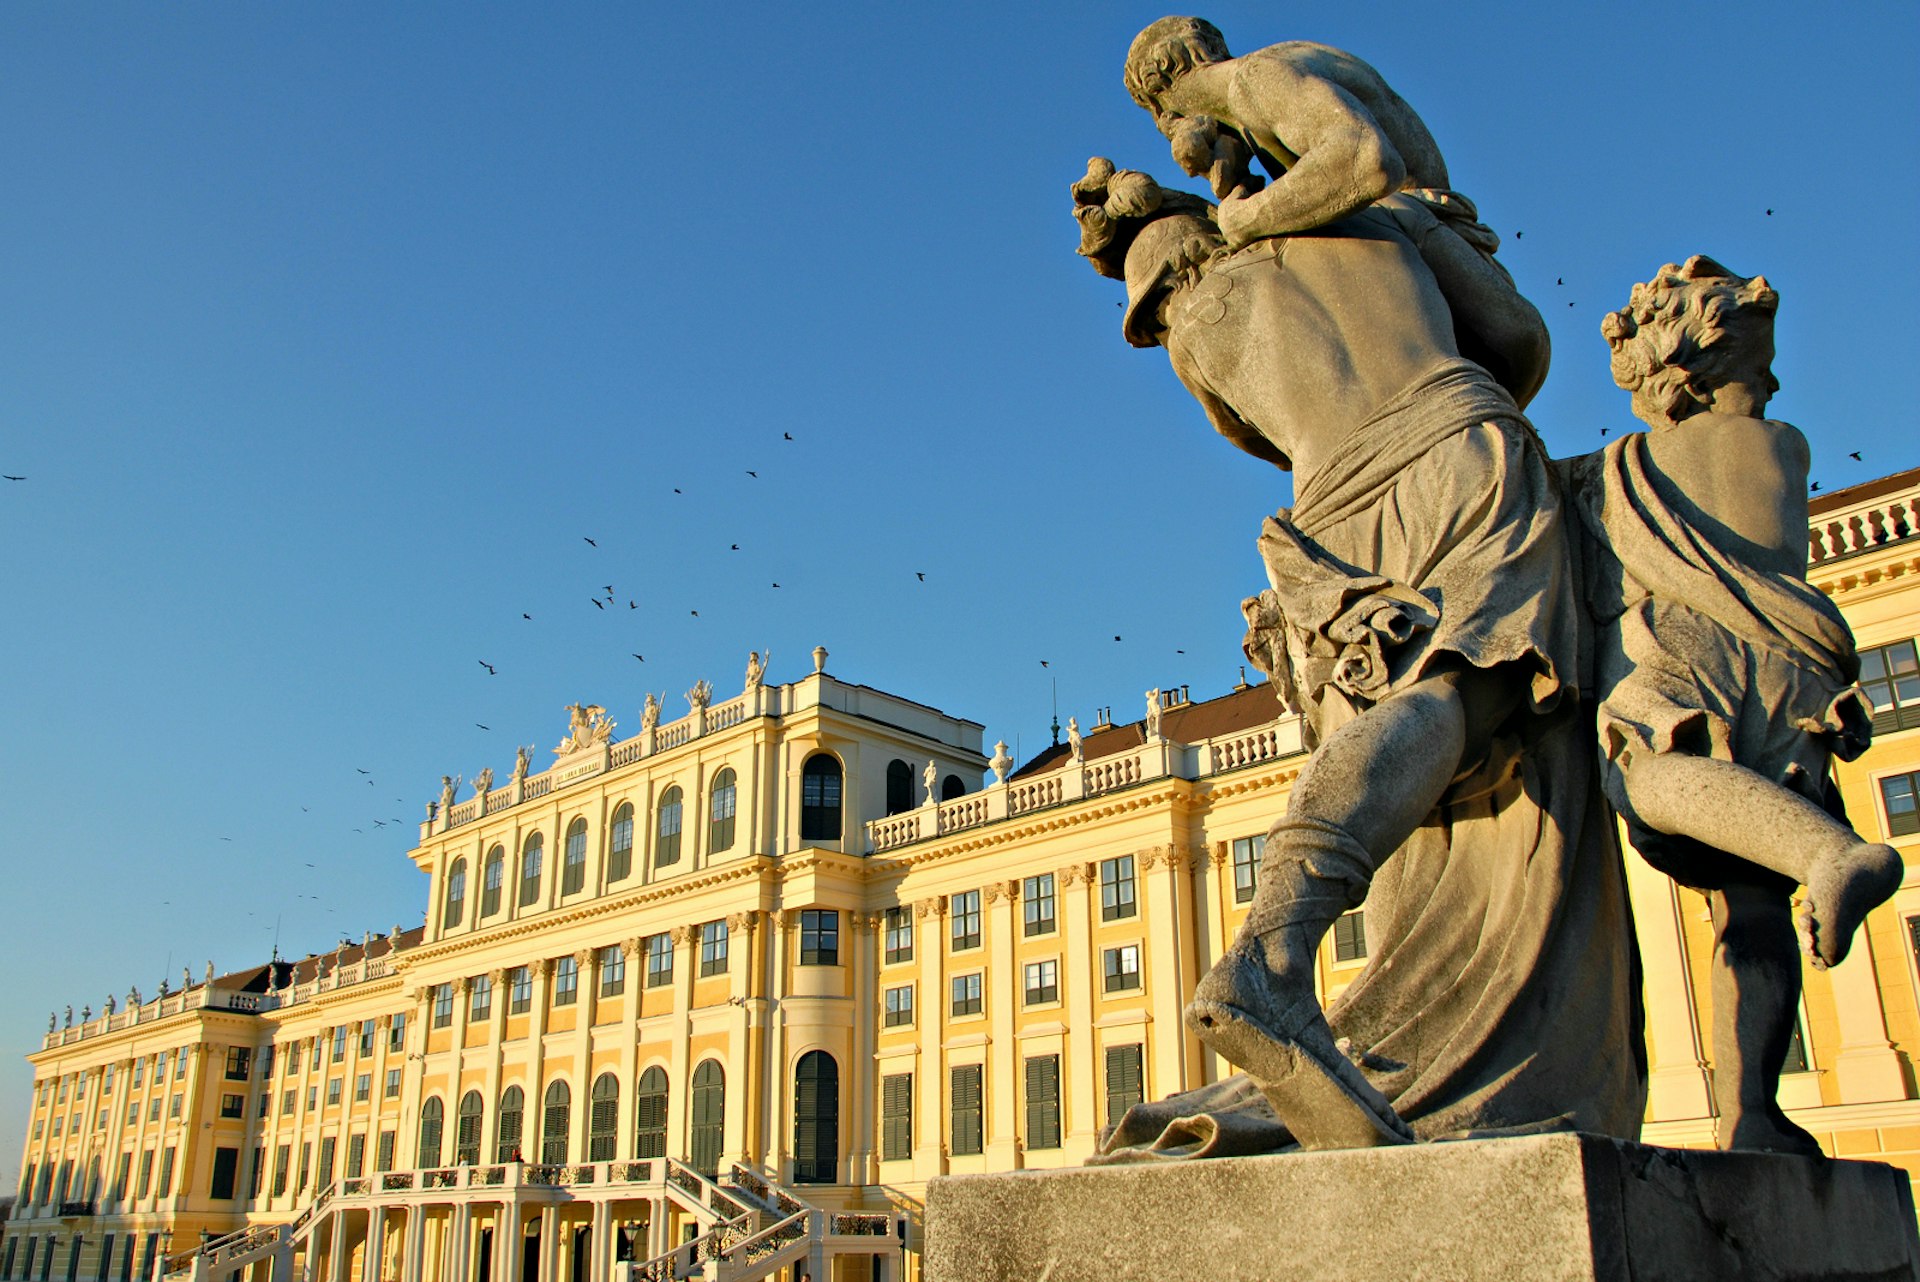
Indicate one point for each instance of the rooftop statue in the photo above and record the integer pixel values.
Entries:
(522, 761)
(587, 727)
(756, 669)
(1726, 682)
(1421, 613)
(483, 782)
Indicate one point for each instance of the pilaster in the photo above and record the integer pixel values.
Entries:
(1003, 999)
(1073, 887)
(929, 1013)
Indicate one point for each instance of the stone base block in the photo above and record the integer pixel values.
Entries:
(1571, 1207)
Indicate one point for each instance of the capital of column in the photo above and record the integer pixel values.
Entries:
(742, 921)
(541, 967)
(463, 984)
(497, 976)
(1071, 875)
(680, 935)
(1219, 855)
(630, 947)
(583, 958)
(999, 890)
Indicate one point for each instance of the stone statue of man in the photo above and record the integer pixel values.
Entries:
(756, 669)
(449, 784)
(1153, 714)
(931, 778)
(1075, 748)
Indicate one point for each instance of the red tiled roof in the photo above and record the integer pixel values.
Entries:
(1188, 723)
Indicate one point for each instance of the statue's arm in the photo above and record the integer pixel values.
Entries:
(1344, 160)
(1508, 336)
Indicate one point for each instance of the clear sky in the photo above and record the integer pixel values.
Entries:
(331, 334)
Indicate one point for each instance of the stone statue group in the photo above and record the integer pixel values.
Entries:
(1495, 652)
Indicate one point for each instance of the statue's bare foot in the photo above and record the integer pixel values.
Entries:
(1841, 890)
(1767, 1131)
(1256, 1020)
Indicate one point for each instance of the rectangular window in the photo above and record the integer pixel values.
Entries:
(479, 998)
(566, 981)
(140, 1071)
(313, 1098)
(1890, 674)
(233, 1106)
(896, 1117)
(226, 1168)
(356, 1156)
(1036, 896)
(166, 1172)
(306, 1168)
(396, 1033)
(966, 994)
(122, 1176)
(900, 1005)
(659, 960)
(287, 1098)
(899, 935)
(1126, 1083)
(713, 948)
(965, 1140)
(620, 851)
(963, 914)
(257, 1178)
(393, 1083)
(367, 1028)
(1042, 982)
(266, 1105)
(1350, 936)
(521, 999)
(146, 1175)
(266, 1062)
(281, 1155)
(173, 1106)
(239, 1063)
(1043, 1101)
(293, 1061)
(1116, 889)
(340, 1042)
(1122, 966)
(1246, 868)
(613, 971)
(820, 937)
(180, 1064)
(326, 1161)
(442, 1005)
(333, 1091)
(383, 1152)
(1900, 795)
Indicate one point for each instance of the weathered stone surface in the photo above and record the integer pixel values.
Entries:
(1546, 1207)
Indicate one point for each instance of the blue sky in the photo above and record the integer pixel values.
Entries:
(332, 333)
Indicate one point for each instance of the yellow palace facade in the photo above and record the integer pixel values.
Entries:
(719, 998)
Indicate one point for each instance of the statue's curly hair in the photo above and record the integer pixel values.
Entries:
(1687, 331)
(1167, 50)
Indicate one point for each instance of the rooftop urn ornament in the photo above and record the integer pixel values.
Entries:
(483, 782)
(756, 669)
(1075, 748)
(587, 727)
(1001, 762)
(819, 659)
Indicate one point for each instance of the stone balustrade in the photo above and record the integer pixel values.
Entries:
(1139, 764)
(1861, 527)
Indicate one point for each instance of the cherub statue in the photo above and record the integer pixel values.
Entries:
(1153, 714)
(483, 782)
(1075, 748)
(756, 669)
(650, 711)
(1726, 682)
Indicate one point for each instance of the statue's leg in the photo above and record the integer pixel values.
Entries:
(1370, 784)
(1756, 990)
(1729, 807)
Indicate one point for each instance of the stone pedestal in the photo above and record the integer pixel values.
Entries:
(1571, 1207)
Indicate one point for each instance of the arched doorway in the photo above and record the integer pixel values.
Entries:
(816, 1119)
(709, 1117)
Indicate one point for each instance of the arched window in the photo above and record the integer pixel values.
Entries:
(620, 844)
(604, 1120)
(816, 1119)
(554, 1119)
(506, 1145)
(456, 895)
(432, 1118)
(650, 1114)
(530, 855)
(492, 874)
(709, 1116)
(666, 845)
(899, 787)
(720, 812)
(952, 786)
(466, 1135)
(820, 798)
(573, 866)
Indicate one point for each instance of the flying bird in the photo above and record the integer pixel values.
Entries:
(1045, 664)
(1769, 213)
(526, 616)
(598, 604)
(478, 725)
(364, 772)
(695, 613)
(1603, 431)
(378, 823)
(641, 657)
(776, 585)
(226, 839)
(489, 667)
(734, 548)
(607, 588)
(1517, 235)
(1179, 651)
(920, 575)
(310, 865)
(590, 542)
(633, 605)
(1855, 456)
(753, 474)
(1559, 280)
(1569, 304)
(22, 478)
(1816, 488)
(676, 489)
(1116, 636)
(787, 435)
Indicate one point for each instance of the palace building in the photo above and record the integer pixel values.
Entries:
(723, 996)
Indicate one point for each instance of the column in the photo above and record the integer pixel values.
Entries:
(1213, 880)
(532, 1141)
(679, 1069)
(496, 1051)
(372, 1259)
(629, 1044)
(600, 1243)
(462, 1005)
(337, 1248)
(773, 1061)
(1678, 1083)
(739, 1035)
(1080, 972)
(929, 1013)
(411, 1264)
(1168, 909)
(859, 1082)
(549, 1244)
(407, 1143)
(1867, 1068)
(1002, 990)
(510, 1247)
(586, 995)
